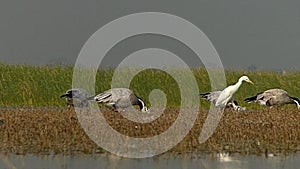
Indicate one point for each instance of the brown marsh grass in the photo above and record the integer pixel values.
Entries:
(56, 130)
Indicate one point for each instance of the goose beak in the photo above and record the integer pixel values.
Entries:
(63, 96)
(66, 95)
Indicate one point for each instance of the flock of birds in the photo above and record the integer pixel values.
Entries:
(120, 98)
(270, 98)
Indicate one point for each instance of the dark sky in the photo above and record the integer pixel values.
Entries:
(264, 33)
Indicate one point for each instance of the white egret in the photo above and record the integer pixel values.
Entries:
(227, 94)
(213, 96)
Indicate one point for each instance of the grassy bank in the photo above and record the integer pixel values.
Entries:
(58, 131)
(41, 86)
(54, 129)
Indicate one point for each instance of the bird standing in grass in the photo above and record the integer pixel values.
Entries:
(273, 97)
(227, 94)
(213, 96)
(80, 94)
(119, 99)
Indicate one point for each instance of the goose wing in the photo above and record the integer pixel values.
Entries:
(103, 97)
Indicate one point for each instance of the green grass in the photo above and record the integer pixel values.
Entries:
(41, 86)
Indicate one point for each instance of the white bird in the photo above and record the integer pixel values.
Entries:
(80, 94)
(227, 94)
(213, 96)
(273, 97)
(119, 99)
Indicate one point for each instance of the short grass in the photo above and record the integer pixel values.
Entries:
(22, 85)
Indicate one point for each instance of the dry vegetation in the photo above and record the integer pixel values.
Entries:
(56, 130)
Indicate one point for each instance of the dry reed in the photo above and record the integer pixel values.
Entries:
(56, 130)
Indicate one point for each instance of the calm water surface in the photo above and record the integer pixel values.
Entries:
(166, 161)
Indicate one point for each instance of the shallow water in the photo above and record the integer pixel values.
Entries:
(108, 161)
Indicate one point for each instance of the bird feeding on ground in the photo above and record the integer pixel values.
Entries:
(119, 99)
(213, 96)
(80, 94)
(273, 97)
(227, 94)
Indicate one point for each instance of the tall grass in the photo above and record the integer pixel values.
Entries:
(22, 85)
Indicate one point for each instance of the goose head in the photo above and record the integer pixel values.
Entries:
(77, 93)
(145, 110)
